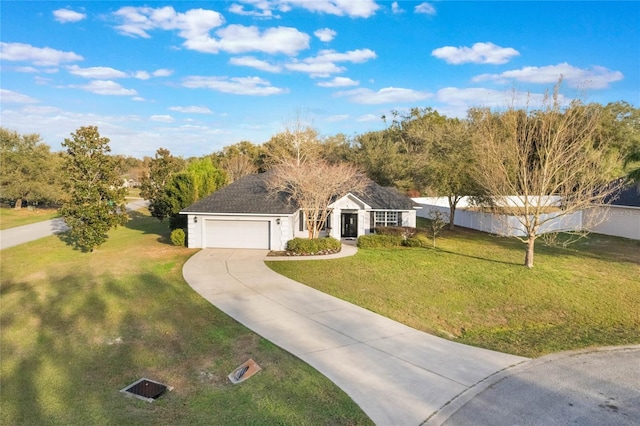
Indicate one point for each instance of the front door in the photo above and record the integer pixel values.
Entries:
(349, 225)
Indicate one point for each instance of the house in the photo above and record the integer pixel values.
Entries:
(245, 214)
(621, 217)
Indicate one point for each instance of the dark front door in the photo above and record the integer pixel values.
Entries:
(349, 225)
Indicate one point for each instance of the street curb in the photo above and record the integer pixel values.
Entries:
(450, 408)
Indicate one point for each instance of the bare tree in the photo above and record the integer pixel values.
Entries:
(542, 165)
(313, 185)
(238, 166)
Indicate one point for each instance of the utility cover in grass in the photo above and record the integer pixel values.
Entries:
(146, 390)
(245, 371)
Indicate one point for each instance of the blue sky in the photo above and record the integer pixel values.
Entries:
(193, 77)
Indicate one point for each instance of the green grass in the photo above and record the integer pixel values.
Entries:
(473, 289)
(77, 328)
(10, 218)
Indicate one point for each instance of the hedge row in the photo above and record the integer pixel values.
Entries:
(307, 247)
(391, 241)
(403, 231)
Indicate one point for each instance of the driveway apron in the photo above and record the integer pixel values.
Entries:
(396, 374)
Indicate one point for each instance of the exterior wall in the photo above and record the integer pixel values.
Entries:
(618, 221)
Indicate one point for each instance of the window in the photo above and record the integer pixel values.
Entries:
(386, 219)
(303, 221)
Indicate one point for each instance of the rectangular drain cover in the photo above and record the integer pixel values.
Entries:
(147, 390)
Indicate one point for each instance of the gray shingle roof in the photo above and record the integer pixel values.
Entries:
(385, 198)
(249, 195)
(629, 196)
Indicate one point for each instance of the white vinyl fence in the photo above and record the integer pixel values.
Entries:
(612, 220)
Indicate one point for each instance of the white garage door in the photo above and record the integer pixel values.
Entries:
(237, 234)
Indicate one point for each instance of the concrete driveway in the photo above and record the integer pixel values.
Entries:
(396, 374)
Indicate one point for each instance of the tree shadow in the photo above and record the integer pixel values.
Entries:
(140, 222)
(71, 342)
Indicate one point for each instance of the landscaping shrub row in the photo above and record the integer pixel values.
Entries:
(403, 231)
(317, 246)
(391, 241)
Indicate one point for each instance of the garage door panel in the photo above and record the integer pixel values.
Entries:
(237, 234)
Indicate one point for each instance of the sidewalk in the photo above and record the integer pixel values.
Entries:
(396, 374)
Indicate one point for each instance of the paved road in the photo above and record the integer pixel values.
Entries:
(396, 374)
(588, 388)
(24, 234)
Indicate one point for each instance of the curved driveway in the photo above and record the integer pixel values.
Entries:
(396, 374)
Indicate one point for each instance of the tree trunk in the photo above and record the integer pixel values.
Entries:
(452, 216)
(528, 259)
(453, 202)
(18, 203)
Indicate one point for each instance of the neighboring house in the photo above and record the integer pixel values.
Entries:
(244, 214)
(621, 216)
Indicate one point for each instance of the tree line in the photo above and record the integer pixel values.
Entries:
(550, 149)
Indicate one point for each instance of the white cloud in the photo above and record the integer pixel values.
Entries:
(162, 72)
(315, 69)
(250, 61)
(264, 12)
(339, 82)
(142, 75)
(9, 96)
(479, 53)
(100, 73)
(351, 8)
(44, 56)
(237, 85)
(162, 118)
(395, 8)
(26, 69)
(106, 87)
(324, 65)
(325, 34)
(596, 77)
(67, 15)
(239, 39)
(338, 117)
(368, 117)
(458, 101)
(425, 8)
(191, 109)
(193, 24)
(383, 96)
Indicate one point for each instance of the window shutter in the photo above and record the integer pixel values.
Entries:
(372, 222)
(328, 223)
(301, 219)
(399, 218)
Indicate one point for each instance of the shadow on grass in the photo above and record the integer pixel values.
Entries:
(71, 342)
(140, 222)
(593, 246)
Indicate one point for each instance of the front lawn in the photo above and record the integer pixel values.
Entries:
(10, 218)
(76, 328)
(473, 289)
